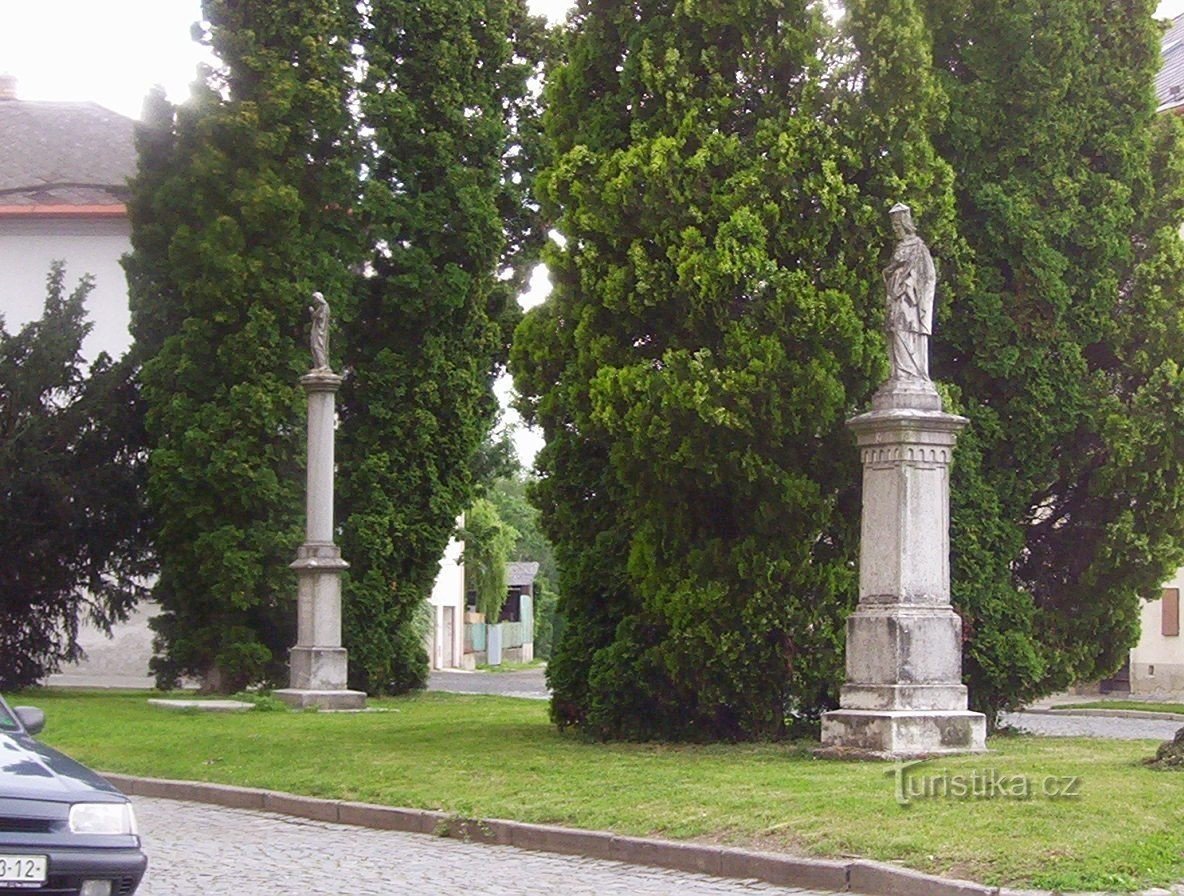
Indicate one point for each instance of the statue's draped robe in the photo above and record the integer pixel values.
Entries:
(911, 280)
(320, 336)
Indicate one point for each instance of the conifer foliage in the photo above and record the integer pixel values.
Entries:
(720, 178)
(72, 536)
(445, 97)
(239, 212)
(714, 321)
(382, 154)
(1065, 341)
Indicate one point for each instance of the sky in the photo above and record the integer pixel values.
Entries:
(112, 52)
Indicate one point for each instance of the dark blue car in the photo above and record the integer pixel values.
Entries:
(63, 829)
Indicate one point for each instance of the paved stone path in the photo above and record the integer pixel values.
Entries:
(194, 848)
(1119, 728)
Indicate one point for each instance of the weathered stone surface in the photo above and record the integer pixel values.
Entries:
(904, 645)
(785, 871)
(901, 734)
(1170, 754)
(904, 695)
(888, 880)
(318, 663)
(322, 699)
(202, 705)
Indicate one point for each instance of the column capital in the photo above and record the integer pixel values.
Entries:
(901, 426)
(321, 381)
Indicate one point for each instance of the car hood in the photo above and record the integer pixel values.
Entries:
(31, 770)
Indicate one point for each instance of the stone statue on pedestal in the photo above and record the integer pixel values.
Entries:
(911, 280)
(904, 697)
(320, 332)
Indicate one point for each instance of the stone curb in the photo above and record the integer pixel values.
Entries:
(857, 876)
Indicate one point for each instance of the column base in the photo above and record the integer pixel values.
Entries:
(331, 700)
(861, 734)
(318, 668)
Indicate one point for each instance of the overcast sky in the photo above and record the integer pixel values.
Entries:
(113, 51)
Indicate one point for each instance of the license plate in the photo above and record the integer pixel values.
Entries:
(16, 871)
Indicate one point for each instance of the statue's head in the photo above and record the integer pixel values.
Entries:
(902, 220)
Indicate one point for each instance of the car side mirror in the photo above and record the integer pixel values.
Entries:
(31, 718)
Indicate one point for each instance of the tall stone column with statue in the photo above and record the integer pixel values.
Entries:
(318, 662)
(904, 695)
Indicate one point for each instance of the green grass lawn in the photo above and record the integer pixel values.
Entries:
(1142, 706)
(500, 758)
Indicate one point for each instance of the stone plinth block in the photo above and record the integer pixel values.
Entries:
(318, 595)
(904, 645)
(331, 700)
(852, 733)
(318, 668)
(904, 535)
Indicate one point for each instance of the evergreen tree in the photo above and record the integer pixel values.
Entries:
(715, 319)
(446, 101)
(72, 536)
(1065, 343)
(239, 212)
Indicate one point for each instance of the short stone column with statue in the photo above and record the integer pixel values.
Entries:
(318, 662)
(904, 695)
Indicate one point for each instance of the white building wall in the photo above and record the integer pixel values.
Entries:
(27, 248)
(1157, 663)
(447, 601)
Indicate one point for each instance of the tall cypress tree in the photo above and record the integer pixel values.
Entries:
(239, 212)
(446, 105)
(715, 319)
(1065, 344)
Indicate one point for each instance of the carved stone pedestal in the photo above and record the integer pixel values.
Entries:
(318, 662)
(904, 695)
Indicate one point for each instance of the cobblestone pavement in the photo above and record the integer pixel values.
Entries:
(530, 683)
(1065, 725)
(194, 848)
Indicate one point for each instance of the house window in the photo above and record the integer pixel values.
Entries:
(1171, 612)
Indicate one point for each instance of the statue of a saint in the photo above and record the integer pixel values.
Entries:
(911, 280)
(320, 332)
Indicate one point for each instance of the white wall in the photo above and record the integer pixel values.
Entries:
(1157, 663)
(28, 246)
(449, 591)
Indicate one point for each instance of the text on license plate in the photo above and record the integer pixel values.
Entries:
(22, 869)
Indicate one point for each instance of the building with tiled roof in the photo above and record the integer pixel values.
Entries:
(64, 169)
(1169, 83)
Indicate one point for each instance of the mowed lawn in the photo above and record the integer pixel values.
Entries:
(497, 757)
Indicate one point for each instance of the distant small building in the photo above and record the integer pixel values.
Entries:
(1157, 662)
(445, 644)
(64, 170)
(520, 578)
(511, 638)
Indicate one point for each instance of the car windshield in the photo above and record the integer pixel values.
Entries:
(7, 722)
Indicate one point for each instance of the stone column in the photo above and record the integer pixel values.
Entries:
(318, 661)
(904, 695)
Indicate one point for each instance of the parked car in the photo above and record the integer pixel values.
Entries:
(63, 829)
